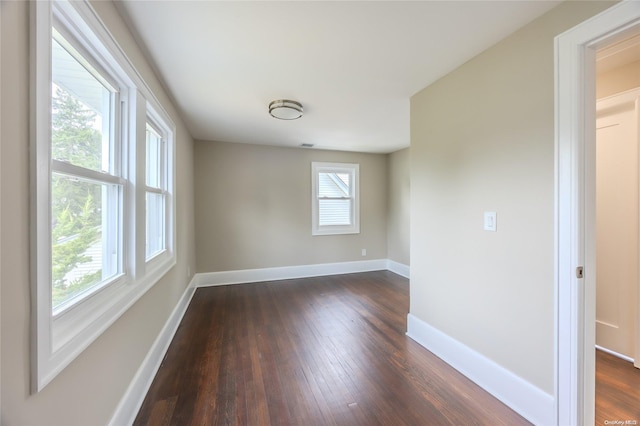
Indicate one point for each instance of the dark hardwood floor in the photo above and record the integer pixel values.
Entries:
(617, 390)
(314, 351)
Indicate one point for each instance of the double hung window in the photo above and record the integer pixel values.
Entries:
(103, 179)
(86, 182)
(155, 192)
(335, 201)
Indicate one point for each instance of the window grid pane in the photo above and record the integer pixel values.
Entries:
(84, 235)
(334, 212)
(155, 224)
(81, 113)
(334, 185)
(154, 158)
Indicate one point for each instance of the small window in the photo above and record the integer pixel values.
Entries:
(335, 200)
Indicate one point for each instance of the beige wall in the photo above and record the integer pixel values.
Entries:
(482, 139)
(398, 206)
(618, 80)
(88, 390)
(253, 208)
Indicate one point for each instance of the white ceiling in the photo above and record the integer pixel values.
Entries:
(352, 64)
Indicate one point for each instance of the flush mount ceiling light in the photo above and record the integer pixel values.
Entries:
(284, 109)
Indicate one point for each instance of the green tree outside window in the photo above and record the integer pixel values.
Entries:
(76, 205)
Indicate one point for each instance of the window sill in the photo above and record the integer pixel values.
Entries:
(319, 232)
(81, 325)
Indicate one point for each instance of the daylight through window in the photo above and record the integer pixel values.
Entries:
(102, 172)
(155, 193)
(86, 191)
(335, 202)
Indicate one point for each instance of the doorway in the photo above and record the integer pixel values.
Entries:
(616, 188)
(576, 206)
(617, 386)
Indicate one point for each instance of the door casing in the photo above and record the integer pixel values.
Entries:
(575, 102)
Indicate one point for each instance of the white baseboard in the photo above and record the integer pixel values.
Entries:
(287, 272)
(132, 399)
(526, 399)
(614, 353)
(398, 268)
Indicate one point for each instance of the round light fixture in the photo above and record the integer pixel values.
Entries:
(284, 109)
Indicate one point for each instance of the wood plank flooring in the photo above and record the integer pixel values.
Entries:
(313, 351)
(617, 390)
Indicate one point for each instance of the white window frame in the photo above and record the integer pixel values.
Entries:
(354, 172)
(161, 124)
(114, 177)
(57, 339)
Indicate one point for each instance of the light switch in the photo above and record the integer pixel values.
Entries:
(490, 221)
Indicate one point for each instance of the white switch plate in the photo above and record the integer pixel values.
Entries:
(490, 221)
(364, 252)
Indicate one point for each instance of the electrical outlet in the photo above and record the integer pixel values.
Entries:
(188, 271)
(364, 252)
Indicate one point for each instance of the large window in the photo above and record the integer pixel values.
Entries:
(103, 179)
(335, 201)
(86, 186)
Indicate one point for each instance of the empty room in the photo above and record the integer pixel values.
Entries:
(311, 212)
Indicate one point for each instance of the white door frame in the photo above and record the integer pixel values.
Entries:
(575, 102)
